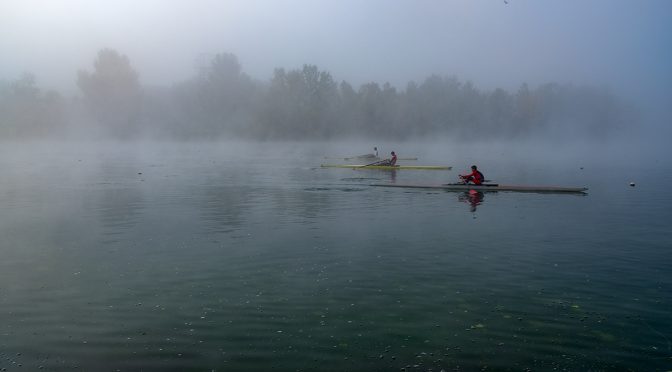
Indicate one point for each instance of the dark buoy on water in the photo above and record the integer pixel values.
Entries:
(632, 184)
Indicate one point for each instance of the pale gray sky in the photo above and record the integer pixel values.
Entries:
(624, 44)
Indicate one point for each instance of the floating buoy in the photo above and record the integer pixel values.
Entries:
(632, 184)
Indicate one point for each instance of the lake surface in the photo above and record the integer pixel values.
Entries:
(250, 257)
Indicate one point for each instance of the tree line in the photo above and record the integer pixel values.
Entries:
(221, 101)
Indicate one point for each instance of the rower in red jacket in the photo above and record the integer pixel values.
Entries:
(393, 160)
(475, 176)
(389, 162)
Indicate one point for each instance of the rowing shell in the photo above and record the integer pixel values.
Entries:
(387, 167)
(488, 187)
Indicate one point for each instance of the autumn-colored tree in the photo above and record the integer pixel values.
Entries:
(27, 112)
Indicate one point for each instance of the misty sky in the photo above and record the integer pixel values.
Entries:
(626, 45)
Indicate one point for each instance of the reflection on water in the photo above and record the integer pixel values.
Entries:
(472, 197)
(206, 257)
(393, 176)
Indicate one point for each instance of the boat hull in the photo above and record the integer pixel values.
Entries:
(387, 167)
(489, 187)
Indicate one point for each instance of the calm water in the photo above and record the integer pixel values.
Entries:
(222, 257)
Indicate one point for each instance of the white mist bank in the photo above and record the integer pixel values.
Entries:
(505, 161)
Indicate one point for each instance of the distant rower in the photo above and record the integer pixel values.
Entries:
(475, 176)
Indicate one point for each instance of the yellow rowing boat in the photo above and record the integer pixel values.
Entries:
(387, 167)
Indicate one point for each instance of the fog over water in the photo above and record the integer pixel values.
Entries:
(178, 190)
(248, 256)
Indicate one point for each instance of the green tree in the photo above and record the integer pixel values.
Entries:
(112, 93)
(525, 110)
(346, 109)
(300, 104)
(500, 112)
(220, 100)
